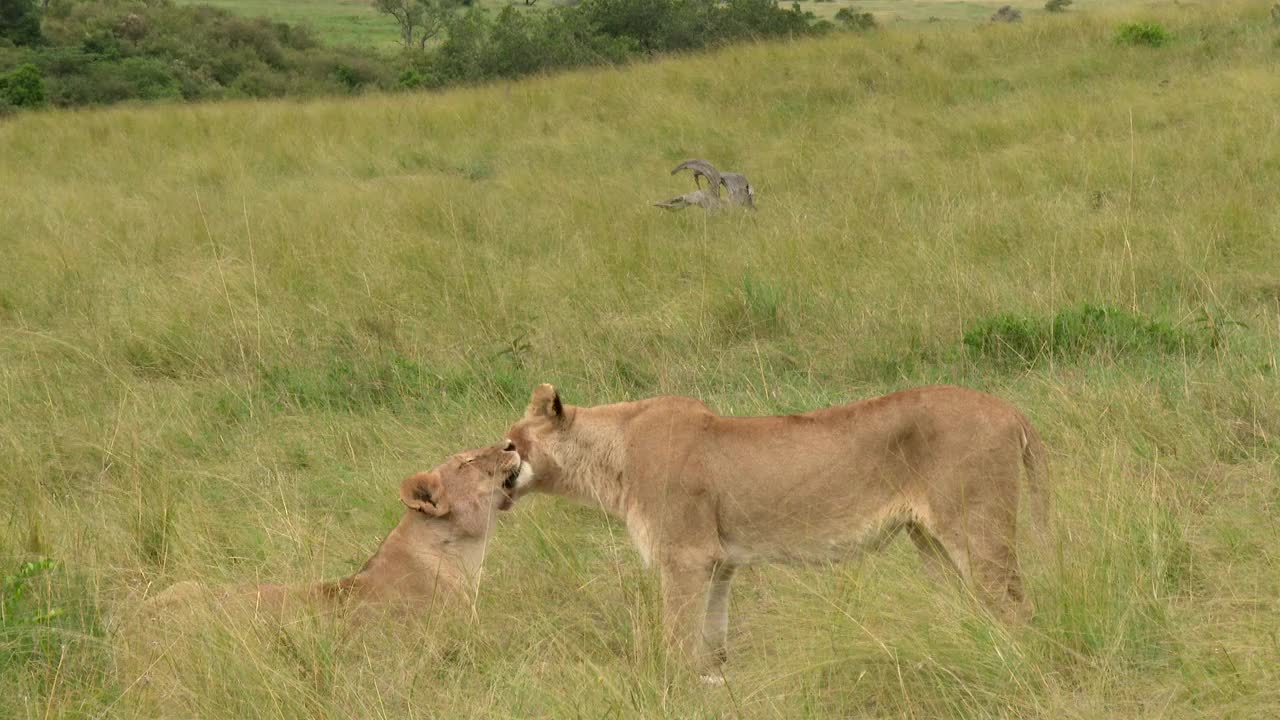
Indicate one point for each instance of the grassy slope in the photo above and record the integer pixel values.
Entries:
(227, 331)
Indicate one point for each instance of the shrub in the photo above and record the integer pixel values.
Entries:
(672, 25)
(98, 83)
(20, 22)
(1056, 6)
(409, 79)
(114, 50)
(348, 76)
(854, 20)
(1142, 33)
(22, 88)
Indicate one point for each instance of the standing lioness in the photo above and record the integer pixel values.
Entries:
(702, 494)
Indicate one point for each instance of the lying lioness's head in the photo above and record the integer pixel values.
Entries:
(467, 487)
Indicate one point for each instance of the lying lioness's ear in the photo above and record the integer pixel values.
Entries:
(545, 402)
(424, 492)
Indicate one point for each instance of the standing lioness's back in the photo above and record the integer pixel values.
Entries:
(703, 493)
(819, 480)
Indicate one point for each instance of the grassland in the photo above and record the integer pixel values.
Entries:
(226, 332)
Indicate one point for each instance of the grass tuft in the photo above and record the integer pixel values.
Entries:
(753, 309)
(1086, 332)
(1150, 34)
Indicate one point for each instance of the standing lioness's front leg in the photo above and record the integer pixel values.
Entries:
(677, 523)
(686, 581)
(716, 628)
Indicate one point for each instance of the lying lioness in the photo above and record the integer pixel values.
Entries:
(703, 494)
(438, 546)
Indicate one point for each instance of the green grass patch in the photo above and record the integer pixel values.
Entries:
(348, 383)
(1150, 34)
(51, 635)
(753, 309)
(1087, 331)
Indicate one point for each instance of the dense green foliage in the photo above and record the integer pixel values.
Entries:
(855, 20)
(19, 22)
(113, 50)
(21, 88)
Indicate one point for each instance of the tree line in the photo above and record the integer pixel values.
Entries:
(91, 52)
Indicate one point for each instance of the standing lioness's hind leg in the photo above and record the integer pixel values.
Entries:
(987, 564)
(937, 563)
(998, 579)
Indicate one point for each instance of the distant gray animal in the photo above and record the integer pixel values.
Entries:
(741, 193)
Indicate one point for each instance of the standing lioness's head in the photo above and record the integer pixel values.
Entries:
(535, 437)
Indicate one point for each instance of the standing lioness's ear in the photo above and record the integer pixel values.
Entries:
(424, 492)
(545, 402)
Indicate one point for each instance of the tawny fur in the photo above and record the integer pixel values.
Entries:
(703, 494)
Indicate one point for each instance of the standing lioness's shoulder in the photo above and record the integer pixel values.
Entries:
(676, 404)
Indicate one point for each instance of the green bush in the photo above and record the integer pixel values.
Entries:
(115, 50)
(1142, 33)
(132, 78)
(854, 20)
(22, 88)
(20, 22)
(410, 79)
(480, 46)
(1057, 6)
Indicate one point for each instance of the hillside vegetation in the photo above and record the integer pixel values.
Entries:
(227, 332)
(72, 53)
(356, 22)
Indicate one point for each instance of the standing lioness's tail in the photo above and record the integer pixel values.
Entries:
(1035, 458)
